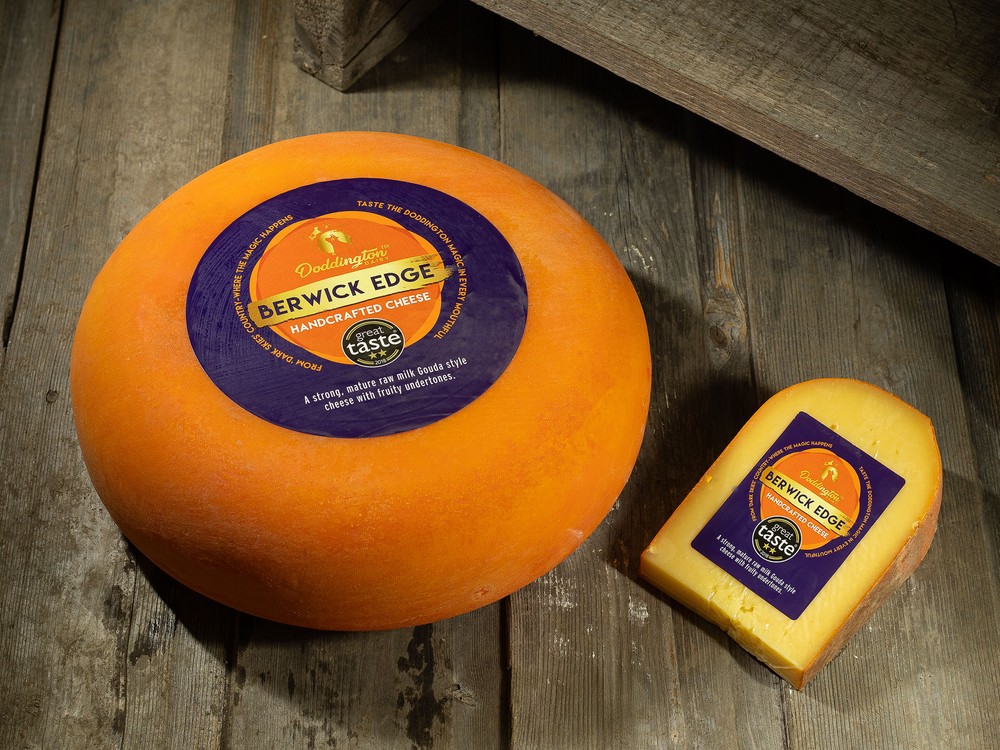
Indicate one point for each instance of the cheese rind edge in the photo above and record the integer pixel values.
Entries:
(367, 533)
(893, 432)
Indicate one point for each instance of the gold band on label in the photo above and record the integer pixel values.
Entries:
(803, 499)
(349, 289)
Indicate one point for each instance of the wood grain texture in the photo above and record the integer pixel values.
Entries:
(338, 41)
(753, 274)
(28, 34)
(974, 306)
(890, 326)
(898, 102)
(599, 659)
(115, 667)
(792, 285)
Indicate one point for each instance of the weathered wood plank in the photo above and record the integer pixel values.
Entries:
(974, 304)
(866, 299)
(27, 47)
(789, 285)
(93, 657)
(173, 679)
(600, 660)
(432, 686)
(898, 103)
(338, 41)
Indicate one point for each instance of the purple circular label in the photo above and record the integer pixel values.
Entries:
(357, 307)
(786, 529)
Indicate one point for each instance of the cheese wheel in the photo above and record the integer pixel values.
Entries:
(822, 505)
(360, 381)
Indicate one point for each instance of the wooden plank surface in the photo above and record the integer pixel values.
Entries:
(744, 257)
(753, 274)
(897, 101)
(338, 41)
(122, 670)
(27, 43)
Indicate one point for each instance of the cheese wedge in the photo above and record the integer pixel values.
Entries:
(821, 506)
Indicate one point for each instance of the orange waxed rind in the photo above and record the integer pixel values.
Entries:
(314, 530)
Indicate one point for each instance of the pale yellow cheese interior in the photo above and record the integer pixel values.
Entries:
(899, 437)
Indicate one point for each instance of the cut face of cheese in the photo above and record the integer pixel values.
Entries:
(337, 381)
(824, 503)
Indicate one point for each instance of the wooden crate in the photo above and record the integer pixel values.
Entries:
(898, 101)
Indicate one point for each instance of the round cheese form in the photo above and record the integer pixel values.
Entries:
(347, 518)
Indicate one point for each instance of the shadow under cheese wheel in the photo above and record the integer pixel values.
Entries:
(360, 381)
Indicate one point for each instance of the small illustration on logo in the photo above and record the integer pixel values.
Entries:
(777, 539)
(322, 238)
(373, 342)
(829, 472)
